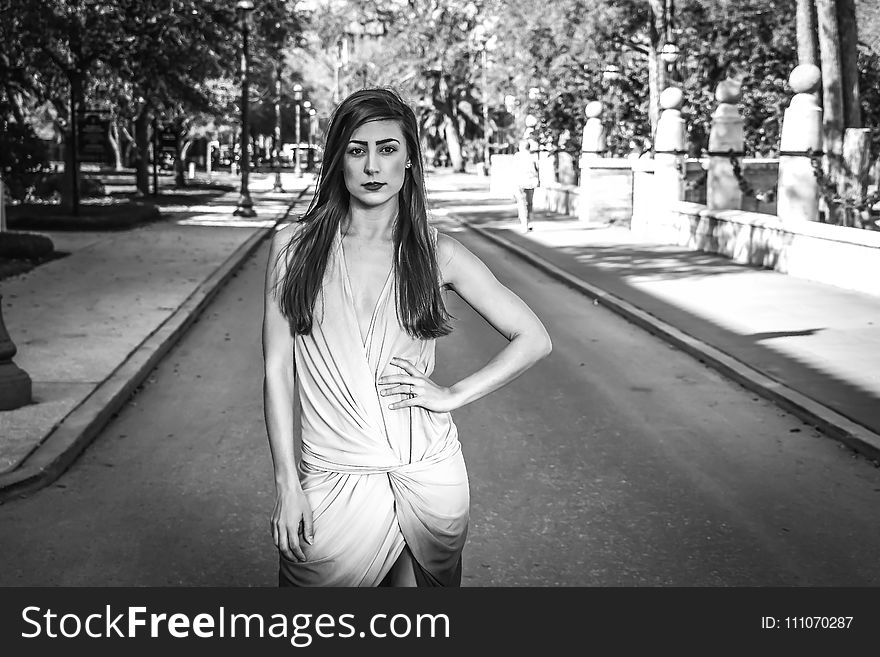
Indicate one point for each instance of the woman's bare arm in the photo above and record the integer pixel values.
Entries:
(502, 309)
(529, 341)
(291, 508)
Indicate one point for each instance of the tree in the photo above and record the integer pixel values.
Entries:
(68, 38)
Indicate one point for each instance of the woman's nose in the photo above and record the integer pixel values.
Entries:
(370, 164)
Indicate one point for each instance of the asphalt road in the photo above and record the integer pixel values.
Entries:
(617, 461)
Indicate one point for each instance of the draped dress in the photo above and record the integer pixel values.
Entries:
(377, 479)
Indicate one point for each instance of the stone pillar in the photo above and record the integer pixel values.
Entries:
(15, 384)
(593, 142)
(546, 167)
(798, 189)
(565, 172)
(669, 150)
(592, 149)
(726, 134)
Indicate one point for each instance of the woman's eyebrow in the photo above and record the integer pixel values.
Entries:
(378, 143)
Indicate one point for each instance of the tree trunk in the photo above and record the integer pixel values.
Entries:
(807, 38)
(115, 144)
(849, 65)
(656, 66)
(129, 152)
(70, 188)
(832, 98)
(142, 150)
(856, 162)
(453, 144)
(180, 162)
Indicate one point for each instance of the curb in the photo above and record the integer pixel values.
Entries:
(82, 425)
(826, 420)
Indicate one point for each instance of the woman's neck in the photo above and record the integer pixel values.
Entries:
(371, 223)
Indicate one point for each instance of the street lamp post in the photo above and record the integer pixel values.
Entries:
(313, 117)
(276, 140)
(485, 41)
(297, 96)
(669, 52)
(307, 106)
(245, 206)
(487, 153)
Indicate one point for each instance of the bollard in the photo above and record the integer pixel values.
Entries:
(233, 168)
(797, 187)
(726, 139)
(192, 170)
(592, 149)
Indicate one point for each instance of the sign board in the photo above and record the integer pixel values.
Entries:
(92, 137)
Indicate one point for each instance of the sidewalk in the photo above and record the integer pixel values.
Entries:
(90, 326)
(814, 349)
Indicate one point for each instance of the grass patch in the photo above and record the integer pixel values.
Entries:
(106, 214)
(21, 252)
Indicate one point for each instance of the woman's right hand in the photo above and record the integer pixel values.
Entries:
(291, 520)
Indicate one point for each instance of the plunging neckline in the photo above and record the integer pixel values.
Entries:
(365, 338)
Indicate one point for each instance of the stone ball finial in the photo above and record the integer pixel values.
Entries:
(594, 109)
(671, 98)
(805, 79)
(728, 91)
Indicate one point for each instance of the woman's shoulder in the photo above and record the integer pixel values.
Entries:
(279, 251)
(284, 235)
(453, 257)
(286, 232)
(444, 246)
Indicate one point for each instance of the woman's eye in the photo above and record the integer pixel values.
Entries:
(355, 151)
(389, 149)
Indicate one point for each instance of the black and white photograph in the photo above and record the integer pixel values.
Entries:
(578, 296)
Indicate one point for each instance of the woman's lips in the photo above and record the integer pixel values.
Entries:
(373, 186)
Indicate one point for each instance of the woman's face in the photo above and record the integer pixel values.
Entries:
(374, 165)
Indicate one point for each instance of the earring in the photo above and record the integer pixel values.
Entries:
(408, 164)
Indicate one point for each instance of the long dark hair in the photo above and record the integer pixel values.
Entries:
(420, 308)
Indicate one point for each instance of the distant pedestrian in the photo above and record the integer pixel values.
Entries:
(353, 305)
(525, 167)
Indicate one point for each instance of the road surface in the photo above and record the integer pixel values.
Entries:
(616, 461)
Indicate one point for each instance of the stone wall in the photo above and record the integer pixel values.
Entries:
(836, 255)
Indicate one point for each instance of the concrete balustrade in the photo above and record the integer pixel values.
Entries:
(662, 184)
(778, 231)
(798, 189)
(725, 135)
(546, 166)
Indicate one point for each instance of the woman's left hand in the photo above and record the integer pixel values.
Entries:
(421, 390)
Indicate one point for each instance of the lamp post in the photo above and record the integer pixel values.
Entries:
(276, 139)
(485, 43)
(669, 52)
(307, 106)
(245, 206)
(297, 96)
(313, 120)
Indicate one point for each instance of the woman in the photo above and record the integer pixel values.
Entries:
(526, 171)
(353, 306)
